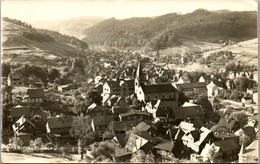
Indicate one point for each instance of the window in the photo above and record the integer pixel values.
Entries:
(170, 95)
(163, 96)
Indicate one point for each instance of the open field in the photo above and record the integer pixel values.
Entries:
(38, 52)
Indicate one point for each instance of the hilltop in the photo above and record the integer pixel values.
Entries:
(71, 26)
(173, 29)
(21, 42)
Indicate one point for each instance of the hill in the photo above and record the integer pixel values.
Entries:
(172, 29)
(72, 26)
(21, 42)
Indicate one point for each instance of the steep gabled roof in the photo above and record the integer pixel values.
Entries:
(133, 112)
(103, 120)
(35, 93)
(184, 112)
(114, 84)
(166, 145)
(121, 138)
(191, 85)
(60, 122)
(19, 111)
(227, 145)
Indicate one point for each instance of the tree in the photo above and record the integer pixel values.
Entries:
(16, 142)
(6, 69)
(103, 151)
(240, 117)
(53, 74)
(82, 130)
(95, 97)
(244, 139)
(140, 157)
(213, 154)
(235, 95)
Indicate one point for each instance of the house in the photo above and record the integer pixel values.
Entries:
(164, 91)
(182, 81)
(134, 115)
(118, 105)
(123, 126)
(64, 88)
(120, 139)
(118, 88)
(147, 127)
(24, 129)
(205, 79)
(255, 98)
(140, 140)
(246, 100)
(58, 128)
(122, 157)
(15, 79)
(192, 89)
(228, 149)
(212, 89)
(23, 125)
(165, 151)
(230, 124)
(19, 111)
(100, 123)
(185, 112)
(96, 110)
(249, 154)
(197, 138)
(161, 109)
(35, 95)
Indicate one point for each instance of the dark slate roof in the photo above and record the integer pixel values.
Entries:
(249, 130)
(166, 145)
(156, 88)
(103, 120)
(60, 122)
(20, 111)
(130, 83)
(114, 84)
(229, 124)
(134, 112)
(227, 145)
(121, 139)
(189, 111)
(195, 134)
(191, 85)
(35, 93)
(124, 125)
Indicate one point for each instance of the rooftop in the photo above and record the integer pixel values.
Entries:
(155, 88)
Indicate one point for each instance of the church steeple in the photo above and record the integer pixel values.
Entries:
(138, 77)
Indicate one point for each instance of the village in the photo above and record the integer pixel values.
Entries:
(141, 111)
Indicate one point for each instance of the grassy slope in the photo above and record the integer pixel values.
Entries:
(42, 52)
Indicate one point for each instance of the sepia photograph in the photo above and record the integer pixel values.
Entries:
(136, 81)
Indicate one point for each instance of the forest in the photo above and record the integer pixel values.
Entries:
(170, 29)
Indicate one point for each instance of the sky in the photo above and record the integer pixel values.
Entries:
(27, 10)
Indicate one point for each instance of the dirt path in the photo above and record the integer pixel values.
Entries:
(38, 158)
